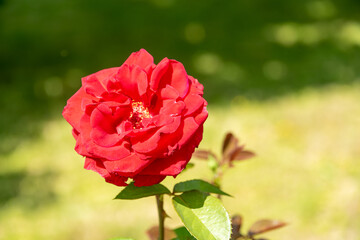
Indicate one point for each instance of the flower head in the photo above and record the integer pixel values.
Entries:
(140, 120)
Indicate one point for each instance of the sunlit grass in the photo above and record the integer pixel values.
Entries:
(305, 173)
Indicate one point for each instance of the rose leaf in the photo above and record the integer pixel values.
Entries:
(199, 185)
(132, 192)
(203, 215)
(183, 234)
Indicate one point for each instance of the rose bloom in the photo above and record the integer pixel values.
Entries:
(140, 121)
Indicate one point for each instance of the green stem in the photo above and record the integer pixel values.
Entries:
(160, 207)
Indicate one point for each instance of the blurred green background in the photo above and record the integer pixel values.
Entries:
(284, 76)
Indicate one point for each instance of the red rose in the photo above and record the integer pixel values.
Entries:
(140, 120)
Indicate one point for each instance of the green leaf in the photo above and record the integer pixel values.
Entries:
(212, 164)
(203, 215)
(132, 192)
(183, 234)
(189, 165)
(199, 185)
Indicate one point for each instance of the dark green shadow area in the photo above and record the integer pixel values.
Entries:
(10, 186)
(28, 190)
(253, 49)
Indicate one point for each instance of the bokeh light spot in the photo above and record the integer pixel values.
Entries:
(73, 77)
(232, 72)
(194, 33)
(274, 70)
(321, 9)
(286, 34)
(207, 63)
(310, 34)
(64, 53)
(350, 33)
(53, 87)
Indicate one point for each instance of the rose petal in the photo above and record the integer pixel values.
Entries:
(95, 84)
(97, 166)
(144, 180)
(172, 108)
(119, 98)
(117, 180)
(158, 73)
(124, 128)
(128, 166)
(193, 102)
(170, 72)
(75, 133)
(87, 147)
(141, 58)
(176, 76)
(72, 111)
(200, 119)
(190, 127)
(169, 92)
(162, 119)
(174, 164)
(104, 122)
(132, 80)
(196, 87)
(149, 144)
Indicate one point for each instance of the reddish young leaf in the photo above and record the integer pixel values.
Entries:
(240, 154)
(153, 233)
(230, 142)
(265, 225)
(201, 154)
(236, 222)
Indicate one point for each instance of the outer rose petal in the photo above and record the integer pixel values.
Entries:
(87, 147)
(174, 164)
(131, 80)
(95, 84)
(144, 180)
(141, 58)
(157, 74)
(75, 133)
(128, 166)
(193, 102)
(190, 127)
(200, 119)
(117, 180)
(196, 87)
(72, 111)
(170, 72)
(97, 166)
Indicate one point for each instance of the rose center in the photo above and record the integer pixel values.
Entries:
(139, 112)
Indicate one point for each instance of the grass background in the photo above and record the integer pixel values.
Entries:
(282, 75)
